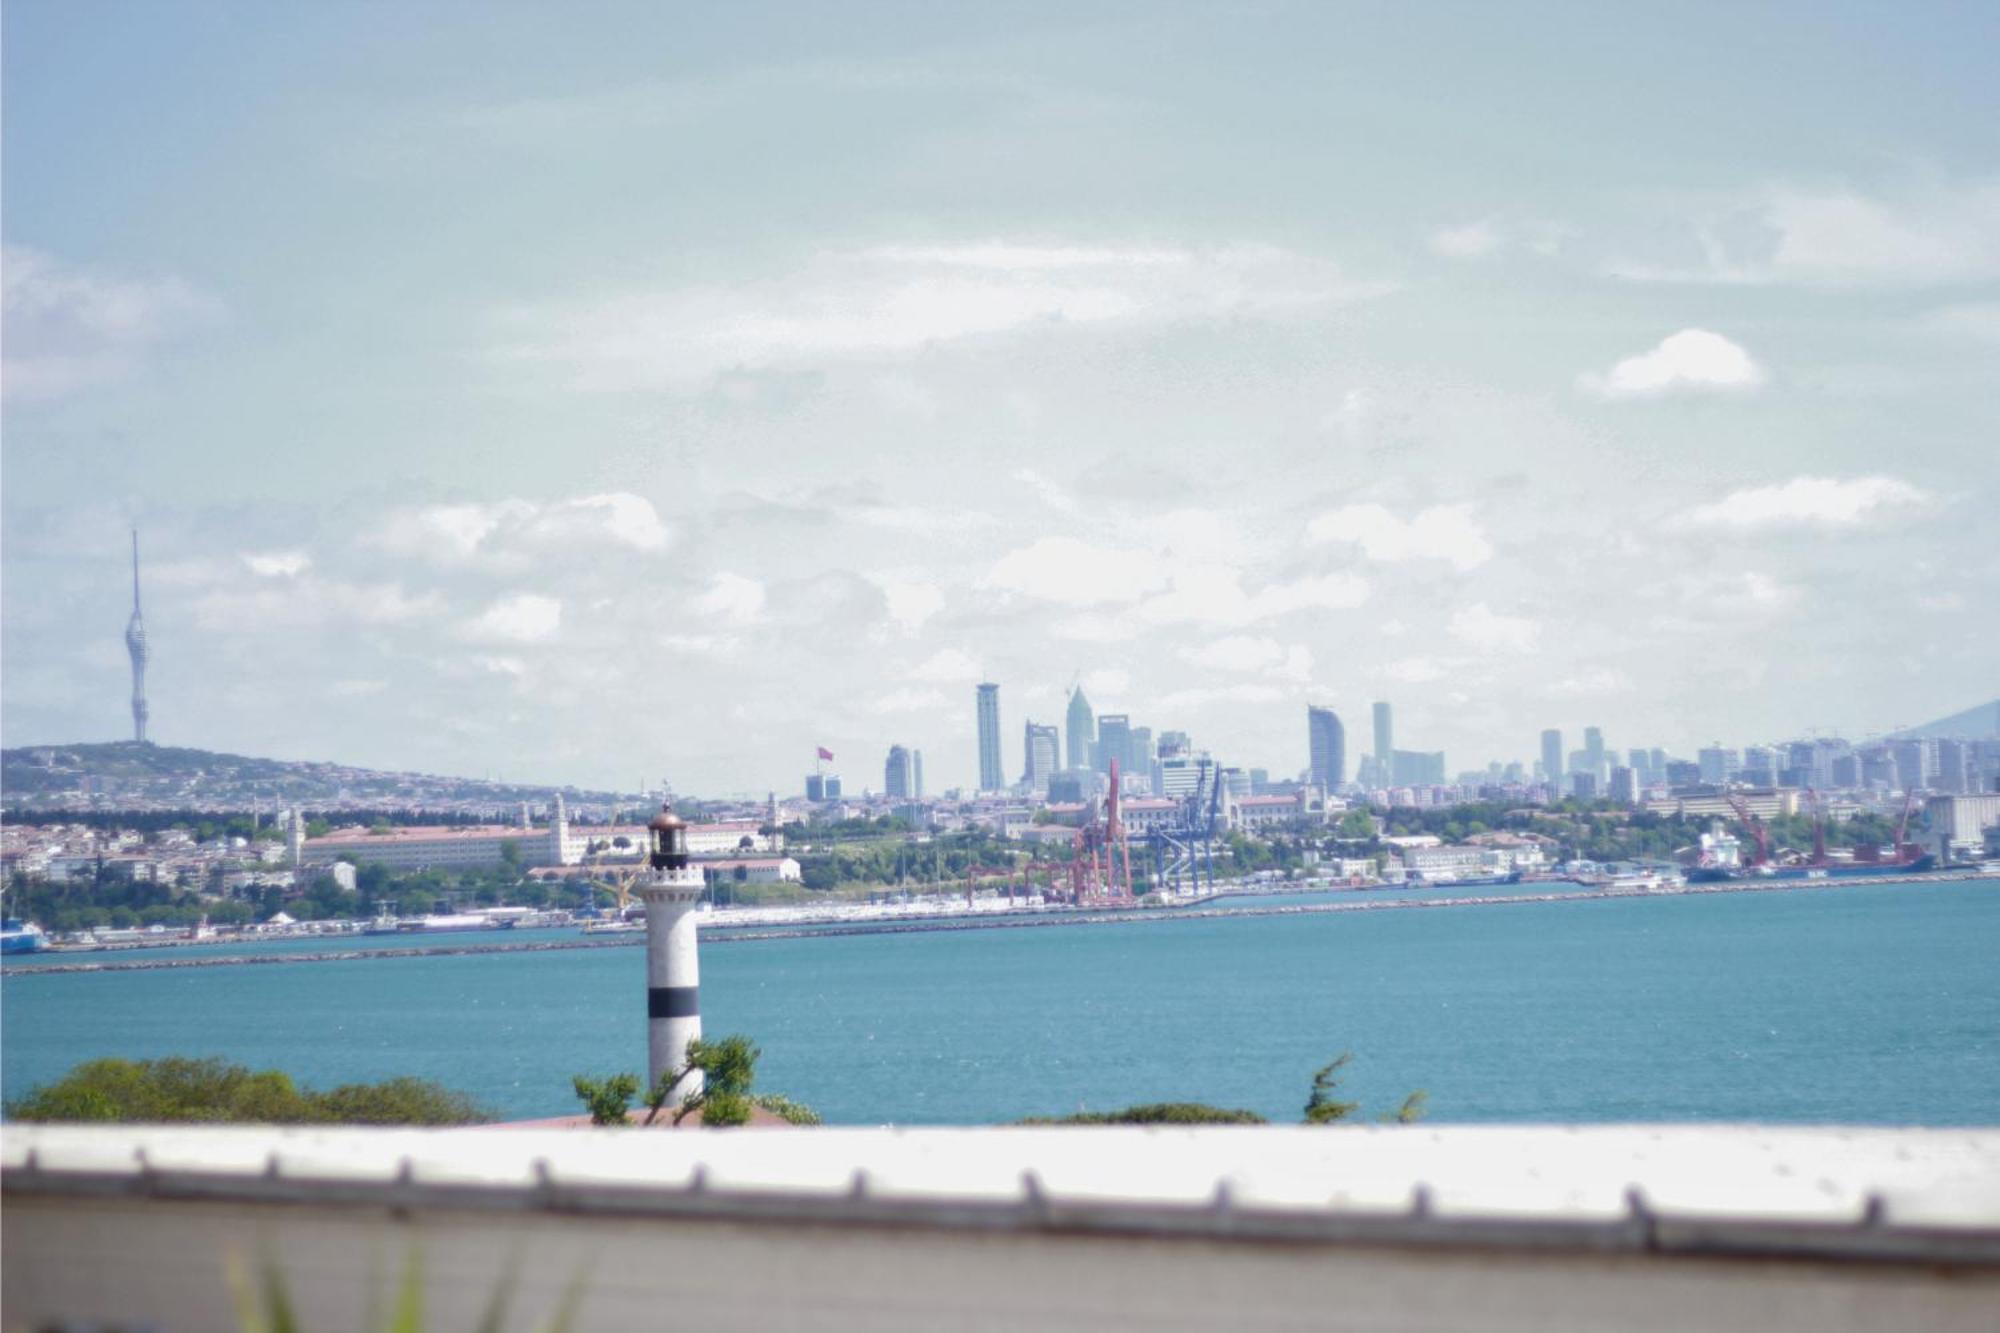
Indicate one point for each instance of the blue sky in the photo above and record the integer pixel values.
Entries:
(482, 375)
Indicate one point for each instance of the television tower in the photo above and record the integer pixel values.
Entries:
(135, 644)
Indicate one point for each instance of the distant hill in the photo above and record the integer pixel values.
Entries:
(1980, 723)
(128, 773)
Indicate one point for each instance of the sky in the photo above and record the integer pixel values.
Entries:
(599, 393)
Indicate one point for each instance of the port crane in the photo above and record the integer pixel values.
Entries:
(1751, 822)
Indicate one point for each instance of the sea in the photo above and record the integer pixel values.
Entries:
(1852, 1004)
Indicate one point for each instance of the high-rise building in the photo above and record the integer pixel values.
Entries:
(135, 645)
(1080, 732)
(1142, 749)
(1043, 758)
(1114, 741)
(1717, 764)
(1625, 785)
(898, 778)
(1552, 758)
(1326, 739)
(1385, 738)
(991, 776)
(1593, 751)
(917, 774)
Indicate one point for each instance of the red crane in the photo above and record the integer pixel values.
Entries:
(1754, 825)
(1100, 869)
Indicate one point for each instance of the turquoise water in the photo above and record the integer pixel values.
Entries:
(1870, 1004)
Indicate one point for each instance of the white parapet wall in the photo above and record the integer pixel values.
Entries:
(1454, 1227)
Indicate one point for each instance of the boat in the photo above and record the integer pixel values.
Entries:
(614, 927)
(1912, 865)
(425, 925)
(17, 936)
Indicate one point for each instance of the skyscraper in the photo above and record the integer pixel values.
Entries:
(1114, 741)
(1080, 727)
(1385, 741)
(1042, 748)
(990, 775)
(1328, 742)
(1593, 751)
(898, 781)
(135, 644)
(1552, 759)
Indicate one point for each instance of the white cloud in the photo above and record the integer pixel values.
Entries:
(523, 617)
(277, 564)
(356, 688)
(66, 328)
(1441, 532)
(308, 601)
(517, 530)
(1589, 683)
(947, 666)
(892, 301)
(1255, 655)
(1241, 694)
(732, 597)
(1828, 501)
(911, 601)
(1075, 573)
(1416, 670)
(1784, 234)
(907, 700)
(1107, 681)
(1482, 627)
(1467, 241)
(1691, 360)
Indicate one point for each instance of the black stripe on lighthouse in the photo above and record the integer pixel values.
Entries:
(673, 1001)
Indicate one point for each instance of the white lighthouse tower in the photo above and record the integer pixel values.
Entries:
(673, 966)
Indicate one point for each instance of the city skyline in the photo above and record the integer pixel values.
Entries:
(1625, 402)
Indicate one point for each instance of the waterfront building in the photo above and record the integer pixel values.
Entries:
(670, 890)
(898, 777)
(1954, 769)
(1080, 728)
(1552, 758)
(991, 775)
(1326, 741)
(1959, 825)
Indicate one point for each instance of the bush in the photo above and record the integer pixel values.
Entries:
(1156, 1113)
(178, 1089)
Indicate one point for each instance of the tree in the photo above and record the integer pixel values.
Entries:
(728, 1066)
(1322, 1108)
(607, 1098)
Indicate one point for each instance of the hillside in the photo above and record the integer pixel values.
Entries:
(128, 774)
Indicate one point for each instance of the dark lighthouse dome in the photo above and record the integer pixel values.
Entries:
(668, 832)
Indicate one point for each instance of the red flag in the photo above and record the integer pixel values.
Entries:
(825, 753)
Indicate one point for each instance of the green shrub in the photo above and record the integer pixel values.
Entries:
(178, 1089)
(1156, 1113)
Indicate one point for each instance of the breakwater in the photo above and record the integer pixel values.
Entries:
(1211, 909)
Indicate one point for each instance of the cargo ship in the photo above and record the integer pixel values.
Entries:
(1909, 865)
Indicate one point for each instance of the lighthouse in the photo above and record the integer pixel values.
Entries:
(673, 968)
